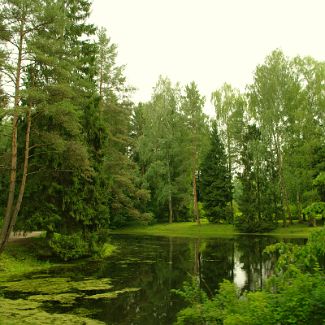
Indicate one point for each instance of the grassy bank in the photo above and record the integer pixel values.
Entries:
(207, 230)
(23, 256)
(20, 257)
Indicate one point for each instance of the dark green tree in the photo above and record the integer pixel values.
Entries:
(22, 23)
(66, 192)
(216, 181)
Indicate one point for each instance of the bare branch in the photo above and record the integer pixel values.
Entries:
(51, 170)
(8, 74)
(44, 152)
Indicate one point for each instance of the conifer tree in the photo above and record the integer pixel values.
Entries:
(216, 181)
(20, 22)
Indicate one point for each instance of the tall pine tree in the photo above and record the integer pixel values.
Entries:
(216, 181)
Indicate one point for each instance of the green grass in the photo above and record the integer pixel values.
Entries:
(23, 256)
(295, 230)
(20, 257)
(207, 230)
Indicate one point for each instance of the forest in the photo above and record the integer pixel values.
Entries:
(79, 159)
(77, 156)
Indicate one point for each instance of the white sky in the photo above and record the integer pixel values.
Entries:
(208, 41)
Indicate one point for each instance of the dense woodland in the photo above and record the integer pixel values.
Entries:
(79, 157)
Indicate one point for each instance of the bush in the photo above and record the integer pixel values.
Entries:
(78, 245)
(69, 247)
(314, 211)
(220, 214)
(251, 225)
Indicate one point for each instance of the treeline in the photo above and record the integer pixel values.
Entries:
(78, 156)
(261, 160)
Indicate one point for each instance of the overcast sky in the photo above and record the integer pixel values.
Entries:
(208, 41)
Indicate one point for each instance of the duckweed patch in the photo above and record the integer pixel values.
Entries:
(66, 299)
(56, 285)
(29, 312)
(92, 284)
(113, 294)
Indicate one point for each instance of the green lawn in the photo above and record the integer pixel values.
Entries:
(207, 230)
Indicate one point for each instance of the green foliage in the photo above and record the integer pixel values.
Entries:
(295, 294)
(229, 107)
(246, 224)
(216, 181)
(97, 162)
(319, 183)
(163, 153)
(78, 245)
(257, 195)
(69, 247)
(315, 211)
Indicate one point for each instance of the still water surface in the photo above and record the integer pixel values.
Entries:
(145, 269)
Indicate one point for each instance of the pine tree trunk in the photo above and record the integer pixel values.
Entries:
(7, 221)
(25, 168)
(22, 185)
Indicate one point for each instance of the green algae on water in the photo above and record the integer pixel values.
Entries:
(56, 285)
(29, 312)
(112, 294)
(66, 299)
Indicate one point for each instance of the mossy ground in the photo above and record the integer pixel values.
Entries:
(208, 230)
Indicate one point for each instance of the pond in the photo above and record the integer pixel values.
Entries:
(134, 285)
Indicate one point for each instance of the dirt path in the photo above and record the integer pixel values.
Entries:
(22, 235)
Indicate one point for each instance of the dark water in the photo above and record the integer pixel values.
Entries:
(156, 265)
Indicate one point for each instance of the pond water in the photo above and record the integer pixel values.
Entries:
(134, 285)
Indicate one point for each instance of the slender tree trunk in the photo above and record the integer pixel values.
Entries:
(196, 208)
(284, 196)
(170, 207)
(299, 207)
(258, 192)
(25, 168)
(284, 193)
(7, 221)
(22, 185)
(170, 202)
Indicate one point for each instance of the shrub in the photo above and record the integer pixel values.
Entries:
(252, 225)
(69, 247)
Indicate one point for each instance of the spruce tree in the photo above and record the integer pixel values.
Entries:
(216, 181)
